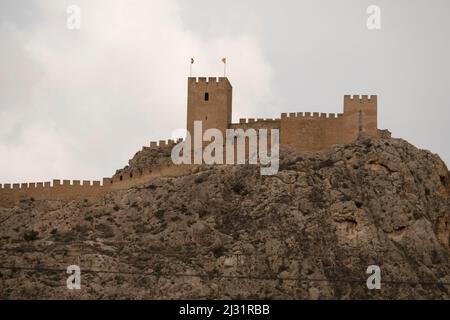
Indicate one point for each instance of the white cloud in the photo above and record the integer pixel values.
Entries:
(80, 103)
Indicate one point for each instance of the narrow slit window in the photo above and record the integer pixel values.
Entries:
(206, 96)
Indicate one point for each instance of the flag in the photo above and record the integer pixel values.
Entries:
(192, 60)
(224, 60)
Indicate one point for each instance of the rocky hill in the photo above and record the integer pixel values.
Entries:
(309, 232)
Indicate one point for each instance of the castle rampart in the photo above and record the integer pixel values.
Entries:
(246, 124)
(57, 190)
(311, 130)
(91, 191)
(210, 101)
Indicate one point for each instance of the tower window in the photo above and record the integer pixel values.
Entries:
(206, 96)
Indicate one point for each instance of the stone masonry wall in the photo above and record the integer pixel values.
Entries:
(67, 190)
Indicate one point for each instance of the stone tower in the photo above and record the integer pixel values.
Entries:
(360, 116)
(209, 101)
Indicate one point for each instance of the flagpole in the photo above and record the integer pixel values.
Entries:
(190, 67)
(224, 60)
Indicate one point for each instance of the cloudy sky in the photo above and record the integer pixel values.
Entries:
(77, 104)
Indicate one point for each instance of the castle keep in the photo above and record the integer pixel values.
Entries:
(210, 101)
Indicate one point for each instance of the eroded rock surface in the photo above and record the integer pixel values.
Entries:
(310, 232)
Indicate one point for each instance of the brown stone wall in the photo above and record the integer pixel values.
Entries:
(214, 112)
(86, 190)
(256, 124)
(66, 191)
(360, 115)
(136, 178)
(316, 131)
(310, 131)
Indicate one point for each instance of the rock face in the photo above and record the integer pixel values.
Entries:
(309, 232)
(147, 158)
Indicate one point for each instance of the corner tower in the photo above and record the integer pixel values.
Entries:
(209, 101)
(360, 116)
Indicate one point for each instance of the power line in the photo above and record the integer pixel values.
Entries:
(186, 253)
(178, 252)
(194, 252)
(242, 277)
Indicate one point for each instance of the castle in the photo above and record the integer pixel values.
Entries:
(210, 101)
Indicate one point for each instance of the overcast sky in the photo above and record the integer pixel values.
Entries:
(77, 104)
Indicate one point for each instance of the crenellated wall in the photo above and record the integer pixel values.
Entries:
(91, 191)
(309, 131)
(57, 190)
(256, 124)
(161, 144)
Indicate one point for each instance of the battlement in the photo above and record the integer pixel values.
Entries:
(218, 81)
(64, 190)
(253, 120)
(55, 183)
(130, 175)
(309, 115)
(360, 98)
(67, 190)
(135, 177)
(162, 144)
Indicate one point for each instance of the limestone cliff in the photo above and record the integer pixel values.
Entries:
(310, 232)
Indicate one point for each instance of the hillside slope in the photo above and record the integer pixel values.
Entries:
(309, 232)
